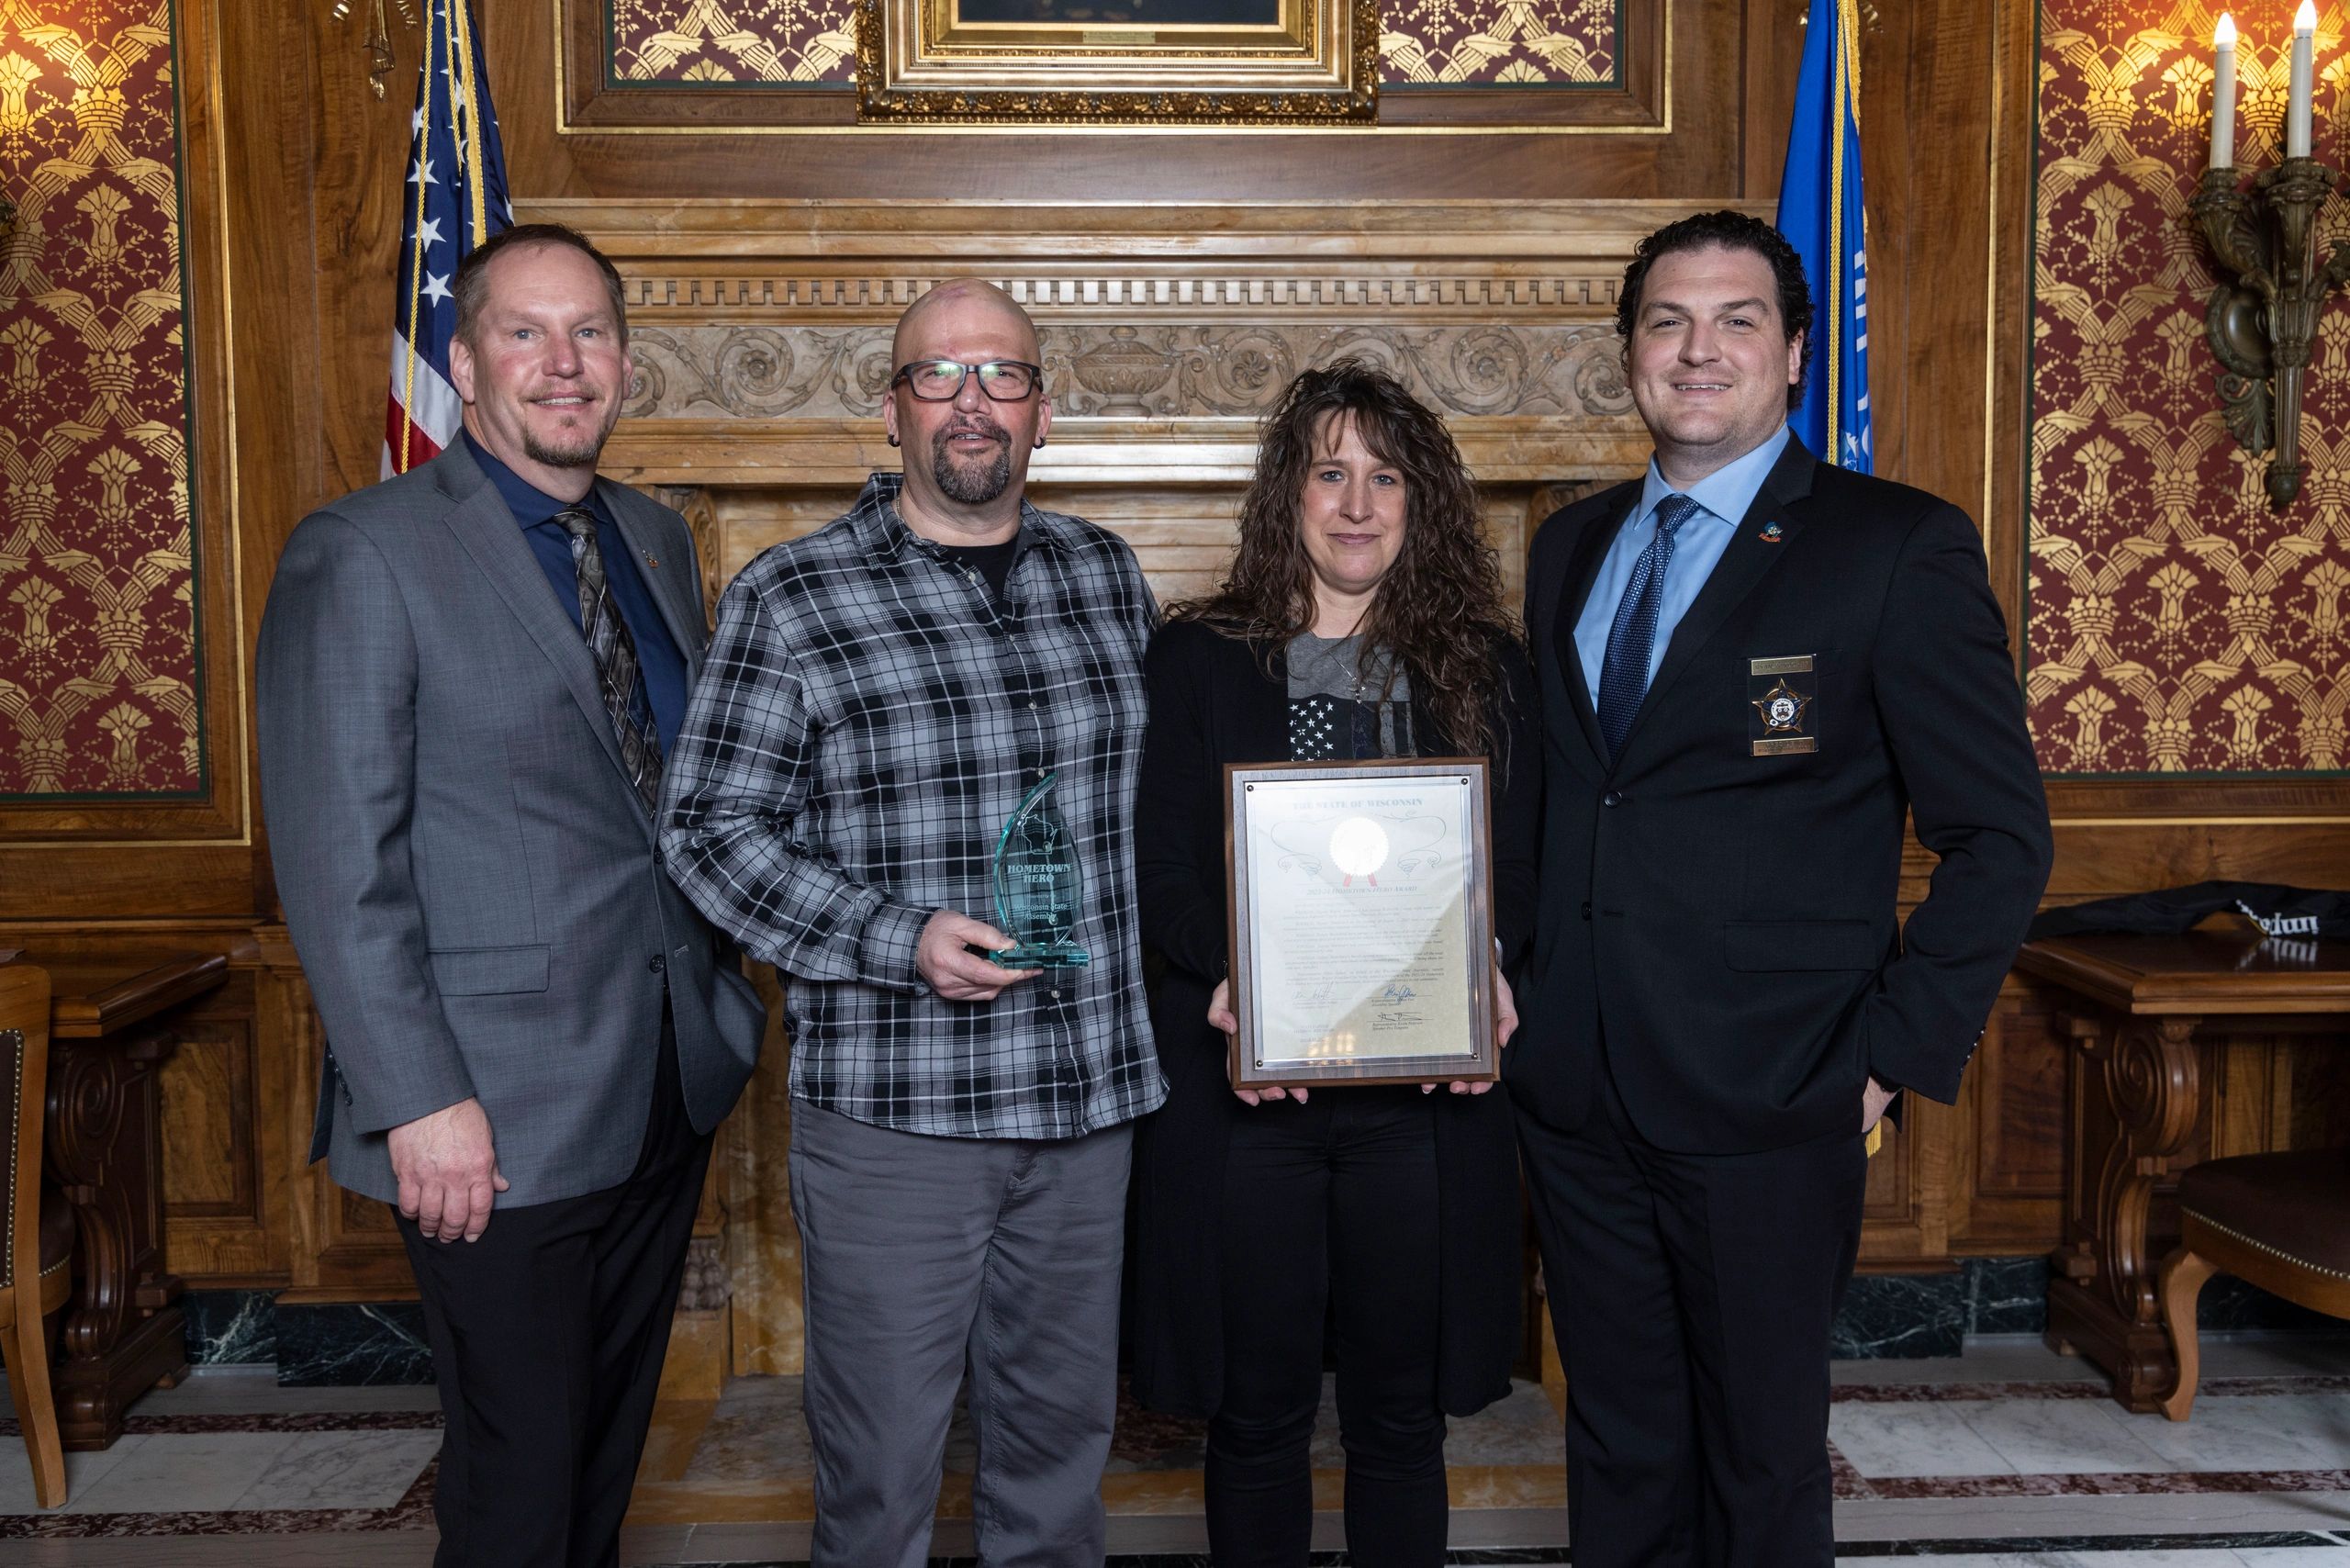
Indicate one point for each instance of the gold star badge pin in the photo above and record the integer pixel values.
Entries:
(1782, 709)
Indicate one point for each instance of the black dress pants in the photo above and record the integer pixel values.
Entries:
(547, 1338)
(1329, 1215)
(1692, 1296)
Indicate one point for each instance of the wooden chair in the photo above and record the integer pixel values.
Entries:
(35, 1277)
(2281, 1221)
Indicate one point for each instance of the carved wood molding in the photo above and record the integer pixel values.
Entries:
(794, 453)
(837, 263)
(1139, 372)
(761, 328)
(1582, 290)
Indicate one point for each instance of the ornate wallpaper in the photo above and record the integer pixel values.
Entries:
(2177, 624)
(97, 617)
(1531, 43)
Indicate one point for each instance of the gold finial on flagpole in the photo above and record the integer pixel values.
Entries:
(378, 42)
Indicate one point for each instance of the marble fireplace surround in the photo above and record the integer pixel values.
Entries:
(761, 335)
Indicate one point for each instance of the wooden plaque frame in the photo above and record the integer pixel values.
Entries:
(1249, 1067)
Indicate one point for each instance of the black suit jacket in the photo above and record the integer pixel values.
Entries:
(1717, 928)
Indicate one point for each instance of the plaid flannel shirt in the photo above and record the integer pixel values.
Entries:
(867, 719)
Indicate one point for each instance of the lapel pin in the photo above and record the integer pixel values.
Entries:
(1772, 534)
(656, 565)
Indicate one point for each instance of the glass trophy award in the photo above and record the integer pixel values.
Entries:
(1037, 885)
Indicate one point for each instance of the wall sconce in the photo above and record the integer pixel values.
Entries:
(2262, 324)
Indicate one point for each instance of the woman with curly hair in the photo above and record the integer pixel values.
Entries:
(1361, 618)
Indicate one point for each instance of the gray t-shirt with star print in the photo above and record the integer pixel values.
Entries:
(1341, 708)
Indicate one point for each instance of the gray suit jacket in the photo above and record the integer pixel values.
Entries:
(473, 886)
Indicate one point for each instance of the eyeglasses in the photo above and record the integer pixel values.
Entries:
(936, 380)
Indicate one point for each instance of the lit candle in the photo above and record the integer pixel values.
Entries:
(2296, 107)
(2223, 93)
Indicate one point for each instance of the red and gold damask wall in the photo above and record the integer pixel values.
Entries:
(1524, 43)
(98, 658)
(2177, 623)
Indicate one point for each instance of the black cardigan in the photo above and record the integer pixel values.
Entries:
(1213, 702)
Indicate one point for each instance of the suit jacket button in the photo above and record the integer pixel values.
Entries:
(1611, 798)
(657, 964)
(1586, 909)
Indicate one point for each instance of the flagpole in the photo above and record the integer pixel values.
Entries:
(415, 252)
(1834, 357)
(460, 14)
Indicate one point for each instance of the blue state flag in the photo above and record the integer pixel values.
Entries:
(1821, 214)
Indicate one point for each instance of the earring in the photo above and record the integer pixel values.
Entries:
(1040, 444)
(893, 441)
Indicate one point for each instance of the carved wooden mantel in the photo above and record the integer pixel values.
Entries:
(761, 329)
(761, 332)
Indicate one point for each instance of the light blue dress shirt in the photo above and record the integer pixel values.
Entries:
(1726, 494)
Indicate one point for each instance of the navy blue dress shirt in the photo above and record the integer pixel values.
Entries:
(659, 660)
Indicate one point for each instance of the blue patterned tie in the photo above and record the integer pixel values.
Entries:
(1624, 677)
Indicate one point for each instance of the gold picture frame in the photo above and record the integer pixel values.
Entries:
(1203, 63)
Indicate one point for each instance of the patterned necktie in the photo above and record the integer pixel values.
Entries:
(1624, 676)
(615, 656)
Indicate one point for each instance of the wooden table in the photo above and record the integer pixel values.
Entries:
(2154, 1015)
(110, 1031)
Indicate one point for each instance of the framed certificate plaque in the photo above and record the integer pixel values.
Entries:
(1360, 903)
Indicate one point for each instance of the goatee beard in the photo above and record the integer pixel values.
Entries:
(580, 453)
(971, 487)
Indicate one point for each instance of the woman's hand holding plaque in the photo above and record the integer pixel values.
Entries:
(1220, 1016)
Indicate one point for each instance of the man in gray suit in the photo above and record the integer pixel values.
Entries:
(468, 678)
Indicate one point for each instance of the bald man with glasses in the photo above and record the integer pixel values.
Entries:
(877, 700)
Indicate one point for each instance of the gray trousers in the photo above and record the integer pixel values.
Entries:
(923, 1255)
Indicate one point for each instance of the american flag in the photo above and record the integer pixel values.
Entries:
(454, 198)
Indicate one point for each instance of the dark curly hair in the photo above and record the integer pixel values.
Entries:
(1438, 613)
(1733, 231)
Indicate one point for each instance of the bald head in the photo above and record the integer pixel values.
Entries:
(966, 453)
(958, 305)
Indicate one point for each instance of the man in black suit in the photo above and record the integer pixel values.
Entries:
(1752, 667)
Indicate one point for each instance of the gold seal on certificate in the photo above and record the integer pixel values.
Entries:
(1361, 920)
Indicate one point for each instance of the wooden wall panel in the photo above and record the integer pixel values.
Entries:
(2007, 1180)
(2314, 1091)
(344, 1247)
(1183, 535)
(1927, 134)
(226, 1153)
(209, 1118)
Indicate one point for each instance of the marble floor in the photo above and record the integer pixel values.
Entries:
(2007, 1455)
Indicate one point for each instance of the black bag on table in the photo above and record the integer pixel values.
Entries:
(2277, 910)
